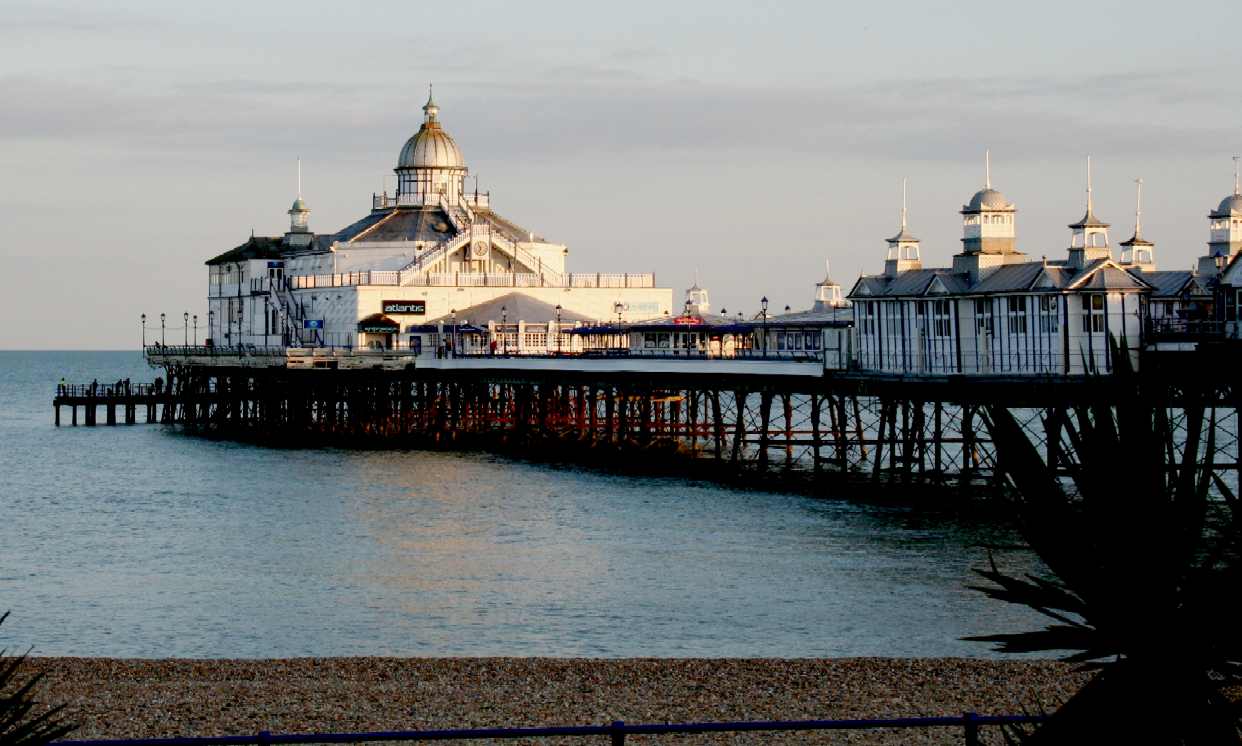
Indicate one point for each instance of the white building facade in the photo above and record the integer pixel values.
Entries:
(418, 256)
(997, 312)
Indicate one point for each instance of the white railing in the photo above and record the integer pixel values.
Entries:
(470, 279)
(385, 201)
(611, 280)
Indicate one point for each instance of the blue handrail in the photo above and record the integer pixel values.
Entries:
(970, 722)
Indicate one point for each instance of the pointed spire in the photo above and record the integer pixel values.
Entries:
(903, 235)
(430, 110)
(904, 181)
(1138, 208)
(1090, 202)
(1236, 189)
(299, 177)
(987, 169)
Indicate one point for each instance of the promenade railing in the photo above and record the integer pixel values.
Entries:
(617, 731)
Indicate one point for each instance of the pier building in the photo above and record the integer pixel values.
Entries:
(997, 310)
(432, 249)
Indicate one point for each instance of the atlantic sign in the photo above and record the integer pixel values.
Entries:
(407, 307)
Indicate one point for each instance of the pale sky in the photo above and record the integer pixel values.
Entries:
(746, 142)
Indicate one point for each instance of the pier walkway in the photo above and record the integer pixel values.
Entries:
(122, 397)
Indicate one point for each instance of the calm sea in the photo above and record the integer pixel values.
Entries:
(141, 541)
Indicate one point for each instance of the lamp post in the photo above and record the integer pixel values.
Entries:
(144, 331)
(504, 310)
(453, 332)
(161, 330)
(211, 318)
(186, 329)
(558, 328)
(618, 307)
(195, 317)
(763, 303)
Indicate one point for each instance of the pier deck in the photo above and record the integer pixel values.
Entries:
(121, 397)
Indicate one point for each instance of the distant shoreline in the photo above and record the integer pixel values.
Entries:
(142, 698)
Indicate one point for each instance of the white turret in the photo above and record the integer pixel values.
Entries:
(988, 219)
(903, 248)
(1138, 252)
(828, 293)
(1226, 222)
(697, 303)
(1089, 236)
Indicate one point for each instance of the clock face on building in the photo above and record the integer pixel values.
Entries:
(479, 250)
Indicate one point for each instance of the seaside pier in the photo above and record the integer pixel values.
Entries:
(762, 421)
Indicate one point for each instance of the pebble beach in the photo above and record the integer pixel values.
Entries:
(138, 698)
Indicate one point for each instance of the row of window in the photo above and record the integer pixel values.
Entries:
(1045, 309)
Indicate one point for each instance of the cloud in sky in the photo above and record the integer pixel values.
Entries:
(746, 143)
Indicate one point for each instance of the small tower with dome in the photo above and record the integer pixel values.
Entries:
(903, 248)
(1226, 227)
(1137, 252)
(299, 218)
(1088, 236)
(989, 236)
(430, 166)
(988, 219)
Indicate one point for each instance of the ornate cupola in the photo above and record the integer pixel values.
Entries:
(299, 218)
(430, 166)
(1226, 222)
(1138, 252)
(696, 299)
(988, 219)
(828, 293)
(1089, 236)
(903, 248)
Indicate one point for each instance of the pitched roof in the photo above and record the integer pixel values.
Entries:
(1022, 276)
(1173, 283)
(1105, 274)
(258, 247)
(518, 307)
(399, 224)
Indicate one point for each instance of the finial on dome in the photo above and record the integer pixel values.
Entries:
(430, 109)
(1236, 190)
(299, 177)
(1138, 208)
(987, 169)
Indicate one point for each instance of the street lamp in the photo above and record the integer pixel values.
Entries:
(453, 332)
(763, 303)
(144, 331)
(161, 330)
(686, 309)
(195, 330)
(211, 318)
(558, 328)
(786, 308)
(186, 329)
(504, 310)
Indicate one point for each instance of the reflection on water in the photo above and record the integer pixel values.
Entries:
(138, 541)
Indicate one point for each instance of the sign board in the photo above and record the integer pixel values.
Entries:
(405, 307)
(275, 265)
(687, 320)
(312, 323)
